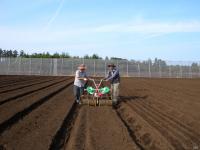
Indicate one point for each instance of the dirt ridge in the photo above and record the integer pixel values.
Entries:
(63, 134)
(28, 92)
(14, 119)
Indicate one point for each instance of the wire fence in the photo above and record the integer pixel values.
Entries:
(98, 67)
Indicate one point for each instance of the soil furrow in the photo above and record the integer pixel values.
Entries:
(102, 129)
(167, 102)
(29, 91)
(8, 82)
(169, 136)
(175, 123)
(173, 130)
(187, 135)
(62, 135)
(9, 109)
(131, 132)
(153, 114)
(25, 86)
(81, 132)
(145, 134)
(20, 115)
(41, 124)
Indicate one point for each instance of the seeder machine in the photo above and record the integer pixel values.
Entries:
(97, 93)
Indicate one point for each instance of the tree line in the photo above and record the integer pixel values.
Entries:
(155, 64)
(21, 53)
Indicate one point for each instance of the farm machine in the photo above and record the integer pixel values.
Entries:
(97, 93)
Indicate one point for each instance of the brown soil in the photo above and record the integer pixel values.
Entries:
(40, 113)
(162, 113)
(99, 128)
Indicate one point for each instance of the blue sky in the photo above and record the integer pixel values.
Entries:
(132, 29)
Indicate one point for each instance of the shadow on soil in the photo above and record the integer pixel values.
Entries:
(2, 147)
(132, 98)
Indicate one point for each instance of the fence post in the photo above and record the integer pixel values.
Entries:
(170, 72)
(199, 69)
(149, 70)
(160, 72)
(50, 68)
(94, 67)
(55, 67)
(30, 66)
(181, 71)
(190, 71)
(105, 68)
(127, 69)
(72, 67)
(83, 61)
(8, 70)
(19, 67)
(61, 70)
(41, 60)
(138, 70)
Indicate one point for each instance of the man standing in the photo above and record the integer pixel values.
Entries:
(114, 78)
(79, 82)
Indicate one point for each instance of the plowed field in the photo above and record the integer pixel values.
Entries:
(39, 113)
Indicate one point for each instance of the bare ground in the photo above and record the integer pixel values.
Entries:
(156, 114)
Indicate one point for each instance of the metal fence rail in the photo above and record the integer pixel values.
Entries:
(98, 67)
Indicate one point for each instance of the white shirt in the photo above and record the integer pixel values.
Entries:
(78, 82)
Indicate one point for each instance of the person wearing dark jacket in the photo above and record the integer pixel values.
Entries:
(114, 78)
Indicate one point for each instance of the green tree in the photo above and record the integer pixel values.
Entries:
(95, 56)
(22, 53)
(106, 58)
(195, 67)
(15, 53)
(4, 53)
(1, 52)
(86, 57)
(116, 58)
(56, 55)
(65, 55)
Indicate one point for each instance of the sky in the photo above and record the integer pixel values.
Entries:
(130, 29)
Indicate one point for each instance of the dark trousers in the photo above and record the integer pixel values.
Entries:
(78, 91)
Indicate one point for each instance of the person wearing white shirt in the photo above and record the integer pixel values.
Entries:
(79, 82)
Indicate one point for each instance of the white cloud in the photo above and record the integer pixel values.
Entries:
(54, 16)
(152, 27)
(145, 29)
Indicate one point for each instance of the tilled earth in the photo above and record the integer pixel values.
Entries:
(39, 113)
